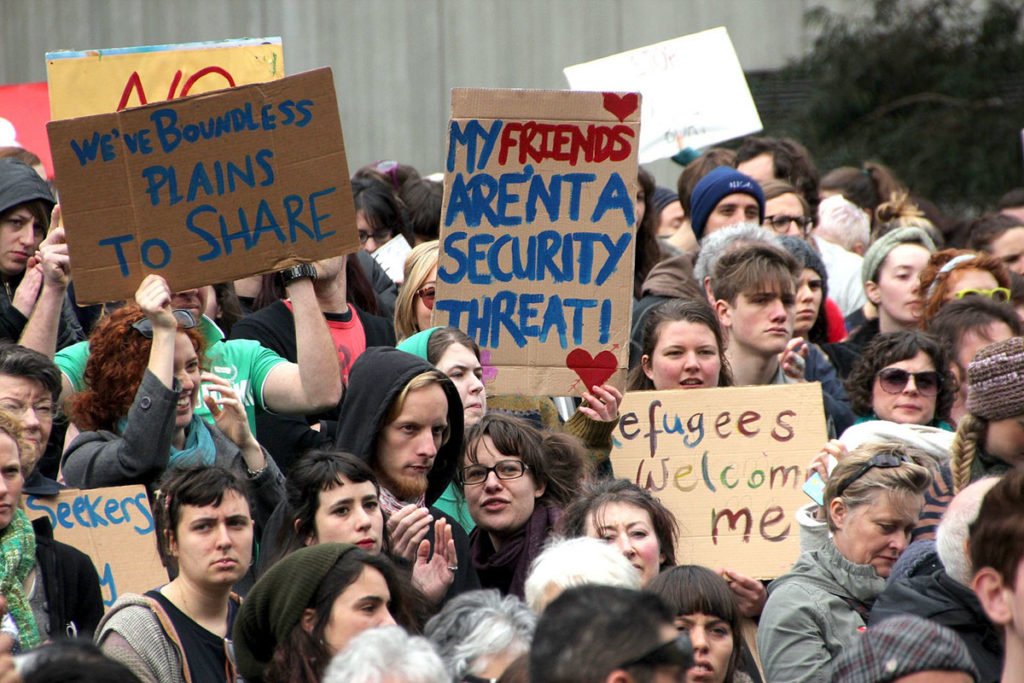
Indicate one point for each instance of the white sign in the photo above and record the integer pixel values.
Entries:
(694, 91)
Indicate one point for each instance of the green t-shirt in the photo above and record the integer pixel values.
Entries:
(243, 362)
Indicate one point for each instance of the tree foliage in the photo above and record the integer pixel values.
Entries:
(932, 88)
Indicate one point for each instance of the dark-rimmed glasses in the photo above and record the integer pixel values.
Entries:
(184, 318)
(887, 460)
(380, 236)
(894, 381)
(780, 222)
(676, 652)
(503, 469)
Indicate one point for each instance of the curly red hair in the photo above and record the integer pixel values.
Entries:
(118, 356)
(935, 284)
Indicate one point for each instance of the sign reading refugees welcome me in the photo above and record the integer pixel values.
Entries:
(730, 464)
(114, 527)
(87, 82)
(538, 224)
(205, 189)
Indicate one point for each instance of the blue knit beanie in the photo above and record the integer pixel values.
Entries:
(715, 186)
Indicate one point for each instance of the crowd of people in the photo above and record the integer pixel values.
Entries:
(337, 496)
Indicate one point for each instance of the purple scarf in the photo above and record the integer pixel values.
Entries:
(506, 569)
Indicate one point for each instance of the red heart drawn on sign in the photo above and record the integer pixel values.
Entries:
(593, 371)
(621, 105)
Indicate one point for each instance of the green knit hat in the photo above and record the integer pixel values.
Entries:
(276, 603)
(417, 343)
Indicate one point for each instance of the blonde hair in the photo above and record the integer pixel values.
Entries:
(418, 264)
(969, 432)
(912, 476)
(11, 426)
(420, 381)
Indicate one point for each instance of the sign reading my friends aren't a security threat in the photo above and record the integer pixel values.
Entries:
(537, 238)
(205, 189)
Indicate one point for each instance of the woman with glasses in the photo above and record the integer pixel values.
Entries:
(953, 274)
(379, 214)
(415, 302)
(872, 502)
(137, 416)
(903, 377)
(516, 480)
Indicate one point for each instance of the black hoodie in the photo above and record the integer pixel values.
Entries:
(377, 377)
(939, 598)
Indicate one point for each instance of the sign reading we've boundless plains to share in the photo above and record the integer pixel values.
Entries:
(205, 189)
(537, 237)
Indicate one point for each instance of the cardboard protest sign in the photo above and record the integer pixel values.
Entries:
(205, 189)
(89, 82)
(24, 111)
(694, 90)
(114, 527)
(537, 235)
(730, 465)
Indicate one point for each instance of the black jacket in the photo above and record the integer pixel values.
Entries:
(73, 600)
(939, 598)
(375, 381)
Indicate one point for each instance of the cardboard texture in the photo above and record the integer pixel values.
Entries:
(729, 463)
(205, 189)
(537, 235)
(87, 82)
(695, 93)
(114, 527)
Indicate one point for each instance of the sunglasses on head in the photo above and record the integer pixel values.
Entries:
(184, 318)
(426, 295)
(996, 293)
(887, 460)
(894, 381)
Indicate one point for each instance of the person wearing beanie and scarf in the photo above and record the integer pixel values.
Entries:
(725, 197)
(404, 418)
(906, 648)
(989, 439)
(890, 274)
(25, 206)
(309, 606)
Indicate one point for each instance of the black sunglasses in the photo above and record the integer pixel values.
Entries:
(887, 460)
(185, 322)
(676, 652)
(894, 381)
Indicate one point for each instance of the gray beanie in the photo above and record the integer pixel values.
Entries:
(881, 247)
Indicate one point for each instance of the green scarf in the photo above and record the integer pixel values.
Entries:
(17, 559)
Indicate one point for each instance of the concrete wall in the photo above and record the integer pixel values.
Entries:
(394, 61)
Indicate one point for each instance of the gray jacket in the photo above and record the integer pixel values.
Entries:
(812, 614)
(140, 455)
